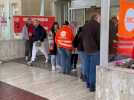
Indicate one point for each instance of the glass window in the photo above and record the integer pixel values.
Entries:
(78, 15)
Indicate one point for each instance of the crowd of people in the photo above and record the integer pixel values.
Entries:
(61, 42)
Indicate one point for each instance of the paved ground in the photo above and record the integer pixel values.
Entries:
(43, 82)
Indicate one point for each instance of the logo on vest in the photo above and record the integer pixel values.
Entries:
(63, 34)
(129, 20)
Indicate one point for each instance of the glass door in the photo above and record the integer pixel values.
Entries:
(78, 16)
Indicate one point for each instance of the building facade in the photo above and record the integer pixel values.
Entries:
(82, 11)
(71, 10)
(9, 8)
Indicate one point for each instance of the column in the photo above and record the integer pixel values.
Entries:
(105, 11)
(42, 8)
(7, 27)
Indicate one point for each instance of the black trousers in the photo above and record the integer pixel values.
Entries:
(28, 49)
(74, 60)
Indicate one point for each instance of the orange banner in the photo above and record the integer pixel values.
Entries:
(126, 28)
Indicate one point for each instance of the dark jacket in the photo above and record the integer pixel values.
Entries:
(77, 42)
(39, 34)
(53, 51)
(113, 30)
(90, 36)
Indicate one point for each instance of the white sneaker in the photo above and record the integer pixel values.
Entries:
(30, 63)
(1, 62)
(58, 69)
(46, 61)
(53, 68)
(26, 58)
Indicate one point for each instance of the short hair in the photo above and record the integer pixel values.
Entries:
(94, 17)
(29, 19)
(37, 20)
(66, 23)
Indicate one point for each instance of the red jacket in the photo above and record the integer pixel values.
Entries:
(30, 31)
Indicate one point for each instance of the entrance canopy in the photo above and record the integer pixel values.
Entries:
(80, 4)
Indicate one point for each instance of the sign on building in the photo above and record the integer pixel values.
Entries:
(19, 22)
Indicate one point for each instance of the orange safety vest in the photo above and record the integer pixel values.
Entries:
(126, 28)
(64, 37)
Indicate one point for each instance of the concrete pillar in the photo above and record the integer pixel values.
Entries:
(105, 11)
(7, 30)
(42, 9)
(53, 8)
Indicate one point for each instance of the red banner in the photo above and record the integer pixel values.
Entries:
(19, 22)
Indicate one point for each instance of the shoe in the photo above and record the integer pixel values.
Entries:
(1, 62)
(87, 85)
(30, 63)
(46, 61)
(53, 68)
(82, 77)
(26, 58)
(92, 89)
(59, 69)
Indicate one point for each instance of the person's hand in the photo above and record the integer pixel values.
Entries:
(38, 43)
(30, 34)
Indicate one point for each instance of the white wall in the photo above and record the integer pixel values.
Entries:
(11, 49)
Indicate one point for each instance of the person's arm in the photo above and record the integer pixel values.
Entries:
(97, 35)
(43, 34)
(24, 32)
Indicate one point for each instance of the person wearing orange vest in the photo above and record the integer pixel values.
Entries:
(64, 38)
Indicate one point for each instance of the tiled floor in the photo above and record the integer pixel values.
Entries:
(53, 86)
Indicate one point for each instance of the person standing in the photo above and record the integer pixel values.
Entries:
(39, 37)
(53, 46)
(90, 37)
(27, 32)
(113, 30)
(77, 43)
(64, 38)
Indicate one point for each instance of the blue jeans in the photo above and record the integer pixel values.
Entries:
(91, 61)
(65, 60)
(82, 60)
(58, 58)
(53, 60)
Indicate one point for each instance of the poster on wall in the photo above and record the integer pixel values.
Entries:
(126, 28)
(19, 22)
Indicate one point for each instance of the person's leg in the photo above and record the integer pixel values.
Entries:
(44, 51)
(87, 68)
(53, 62)
(58, 61)
(34, 52)
(72, 61)
(63, 59)
(75, 61)
(68, 66)
(82, 60)
(92, 72)
(30, 49)
(26, 50)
